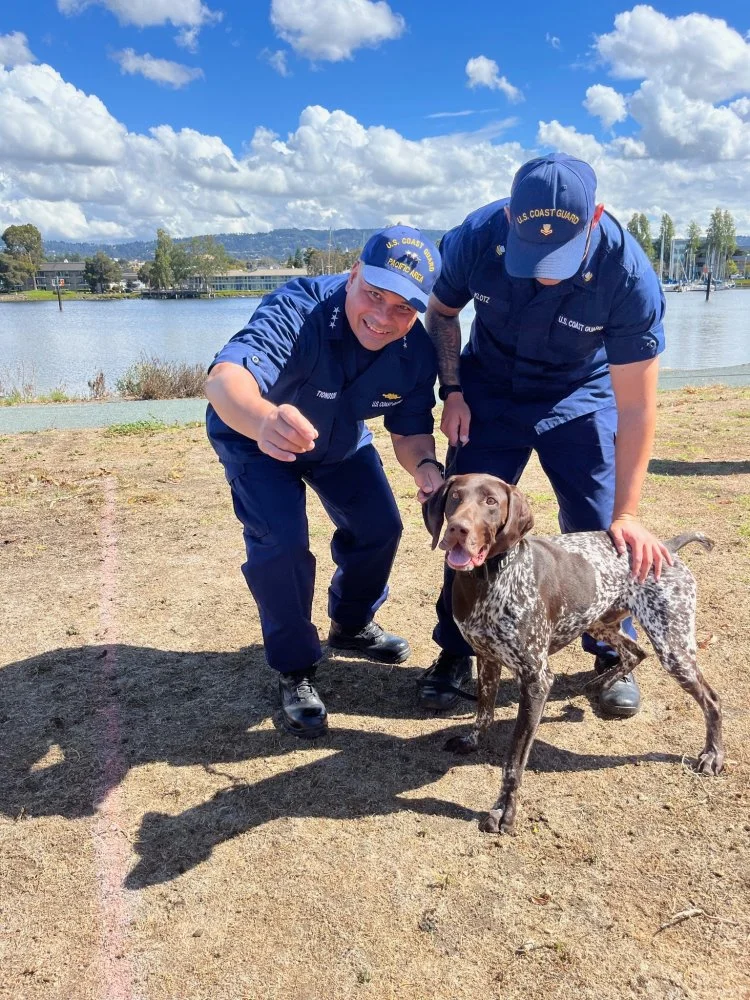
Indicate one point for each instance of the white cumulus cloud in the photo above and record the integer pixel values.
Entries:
(148, 13)
(333, 29)
(699, 55)
(14, 49)
(71, 168)
(484, 72)
(44, 120)
(187, 15)
(689, 67)
(606, 104)
(162, 71)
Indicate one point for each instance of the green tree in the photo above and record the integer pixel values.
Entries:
(144, 272)
(728, 233)
(694, 241)
(182, 264)
(332, 261)
(721, 239)
(100, 271)
(13, 273)
(209, 258)
(664, 242)
(161, 272)
(640, 228)
(24, 243)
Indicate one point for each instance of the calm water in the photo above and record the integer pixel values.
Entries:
(66, 349)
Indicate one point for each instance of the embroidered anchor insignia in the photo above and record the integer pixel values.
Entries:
(546, 229)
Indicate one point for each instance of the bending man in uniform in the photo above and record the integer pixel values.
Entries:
(288, 398)
(562, 360)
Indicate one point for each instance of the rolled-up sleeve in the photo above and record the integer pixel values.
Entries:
(266, 343)
(635, 330)
(452, 287)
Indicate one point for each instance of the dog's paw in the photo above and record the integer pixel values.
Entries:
(462, 744)
(710, 762)
(497, 821)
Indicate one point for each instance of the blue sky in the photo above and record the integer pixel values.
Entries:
(118, 115)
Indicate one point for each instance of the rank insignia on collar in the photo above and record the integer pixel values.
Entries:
(588, 276)
(546, 229)
(391, 395)
(499, 249)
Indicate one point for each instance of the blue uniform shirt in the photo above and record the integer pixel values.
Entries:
(540, 354)
(300, 349)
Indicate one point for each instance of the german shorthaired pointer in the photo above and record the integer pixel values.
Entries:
(517, 599)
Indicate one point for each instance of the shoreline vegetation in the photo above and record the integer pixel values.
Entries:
(48, 296)
(41, 295)
(149, 378)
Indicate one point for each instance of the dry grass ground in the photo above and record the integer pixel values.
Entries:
(159, 838)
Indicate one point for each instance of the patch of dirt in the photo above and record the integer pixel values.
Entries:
(160, 838)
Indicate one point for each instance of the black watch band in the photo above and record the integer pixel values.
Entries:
(445, 390)
(433, 461)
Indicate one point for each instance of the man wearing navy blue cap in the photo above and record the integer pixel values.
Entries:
(288, 397)
(562, 360)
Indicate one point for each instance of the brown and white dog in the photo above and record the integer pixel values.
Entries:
(516, 600)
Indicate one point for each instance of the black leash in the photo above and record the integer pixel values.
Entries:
(451, 457)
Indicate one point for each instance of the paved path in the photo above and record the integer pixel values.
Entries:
(35, 417)
(47, 416)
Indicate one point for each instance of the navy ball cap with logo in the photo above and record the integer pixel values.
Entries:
(552, 202)
(402, 260)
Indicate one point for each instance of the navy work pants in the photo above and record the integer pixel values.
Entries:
(269, 500)
(579, 460)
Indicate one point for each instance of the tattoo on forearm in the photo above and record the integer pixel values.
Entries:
(445, 333)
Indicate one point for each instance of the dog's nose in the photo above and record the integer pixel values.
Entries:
(458, 529)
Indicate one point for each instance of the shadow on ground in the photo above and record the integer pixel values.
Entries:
(670, 467)
(74, 721)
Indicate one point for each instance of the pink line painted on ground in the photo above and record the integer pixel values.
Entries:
(110, 842)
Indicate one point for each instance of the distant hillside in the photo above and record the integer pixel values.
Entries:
(279, 243)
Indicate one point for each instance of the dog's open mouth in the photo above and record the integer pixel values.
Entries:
(460, 558)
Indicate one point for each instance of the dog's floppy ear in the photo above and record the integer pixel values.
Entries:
(519, 521)
(433, 510)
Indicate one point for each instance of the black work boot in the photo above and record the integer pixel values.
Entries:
(623, 699)
(302, 711)
(372, 641)
(447, 669)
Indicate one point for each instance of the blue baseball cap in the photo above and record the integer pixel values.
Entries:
(552, 202)
(401, 260)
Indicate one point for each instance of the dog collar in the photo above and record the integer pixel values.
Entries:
(497, 564)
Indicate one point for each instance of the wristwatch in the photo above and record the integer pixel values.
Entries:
(445, 390)
(433, 461)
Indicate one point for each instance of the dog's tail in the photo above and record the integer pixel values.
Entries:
(692, 536)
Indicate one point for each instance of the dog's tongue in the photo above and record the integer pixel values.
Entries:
(458, 557)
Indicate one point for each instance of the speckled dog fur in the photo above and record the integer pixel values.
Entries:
(545, 593)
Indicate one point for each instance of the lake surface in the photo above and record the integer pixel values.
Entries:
(54, 349)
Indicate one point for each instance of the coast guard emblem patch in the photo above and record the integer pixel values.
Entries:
(546, 229)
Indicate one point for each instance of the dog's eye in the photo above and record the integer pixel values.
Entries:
(455, 495)
(491, 501)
